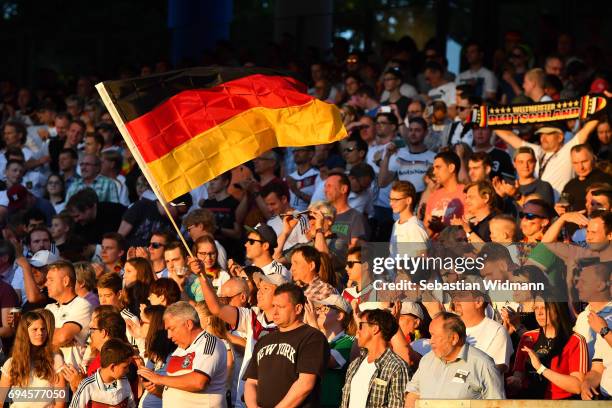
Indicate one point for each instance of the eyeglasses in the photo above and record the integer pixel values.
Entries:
(93, 329)
(530, 216)
(322, 309)
(156, 245)
(251, 241)
(207, 254)
(349, 149)
(350, 264)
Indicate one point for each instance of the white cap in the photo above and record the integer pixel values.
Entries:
(336, 301)
(374, 305)
(413, 309)
(274, 278)
(43, 258)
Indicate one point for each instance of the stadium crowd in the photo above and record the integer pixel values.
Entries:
(276, 307)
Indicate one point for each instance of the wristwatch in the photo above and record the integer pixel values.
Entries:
(604, 331)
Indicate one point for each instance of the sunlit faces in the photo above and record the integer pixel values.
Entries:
(108, 297)
(443, 342)
(582, 162)
(525, 165)
(56, 283)
(551, 142)
(265, 294)
(442, 171)
(475, 201)
(284, 313)
(174, 260)
(37, 332)
(111, 251)
(207, 253)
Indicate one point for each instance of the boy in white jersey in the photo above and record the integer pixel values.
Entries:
(108, 387)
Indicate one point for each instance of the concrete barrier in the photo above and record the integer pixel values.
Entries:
(511, 404)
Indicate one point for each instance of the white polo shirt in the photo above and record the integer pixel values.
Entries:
(77, 311)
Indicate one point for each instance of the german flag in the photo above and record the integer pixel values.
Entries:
(186, 127)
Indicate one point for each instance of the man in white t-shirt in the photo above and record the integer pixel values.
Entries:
(483, 333)
(409, 234)
(197, 369)
(554, 158)
(480, 78)
(386, 130)
(276, 197)
(409, 163)
(72, 313)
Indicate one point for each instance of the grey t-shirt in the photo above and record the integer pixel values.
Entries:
(348, 225)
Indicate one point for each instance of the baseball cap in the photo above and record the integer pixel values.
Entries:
(43, 258)
(274, 278)
(265, 232)
(412, 308)
(548, 129)
(336, 301)
(17, 196)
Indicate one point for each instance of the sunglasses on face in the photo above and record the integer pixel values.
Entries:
(350, 264)
(349, 149)
(155, 245)
(251, 241)
(529, 216)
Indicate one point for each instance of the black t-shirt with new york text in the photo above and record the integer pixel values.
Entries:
(280, 357)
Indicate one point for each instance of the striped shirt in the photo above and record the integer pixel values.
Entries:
(94, 393)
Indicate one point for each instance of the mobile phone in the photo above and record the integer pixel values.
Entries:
(385, 109)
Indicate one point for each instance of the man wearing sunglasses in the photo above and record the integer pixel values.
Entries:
(384, 371)
(535, 218)
(157, 243)
(260, 244)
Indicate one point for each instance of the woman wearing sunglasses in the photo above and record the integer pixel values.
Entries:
(32, 364)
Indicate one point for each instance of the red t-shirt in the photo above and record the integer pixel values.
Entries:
(447, 205)
(573, 358)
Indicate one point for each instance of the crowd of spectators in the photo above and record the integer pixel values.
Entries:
(275, 305)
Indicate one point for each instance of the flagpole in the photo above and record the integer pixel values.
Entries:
(139, 159)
